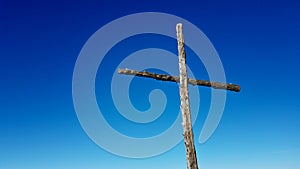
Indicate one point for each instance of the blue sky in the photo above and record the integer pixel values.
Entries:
(258, 43)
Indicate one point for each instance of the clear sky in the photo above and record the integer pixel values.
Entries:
(258, 44)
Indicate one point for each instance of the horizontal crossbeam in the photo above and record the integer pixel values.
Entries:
(163, 77)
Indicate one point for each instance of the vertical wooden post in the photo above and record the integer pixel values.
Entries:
(185, 103)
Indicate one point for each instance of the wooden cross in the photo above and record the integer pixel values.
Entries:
(183, 80)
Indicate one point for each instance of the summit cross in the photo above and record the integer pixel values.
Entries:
(183, 81)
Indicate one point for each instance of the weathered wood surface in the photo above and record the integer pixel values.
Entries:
(185, 103)
(163, 77)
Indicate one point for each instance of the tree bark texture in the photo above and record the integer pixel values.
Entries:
(185, 103)
(163, 77)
